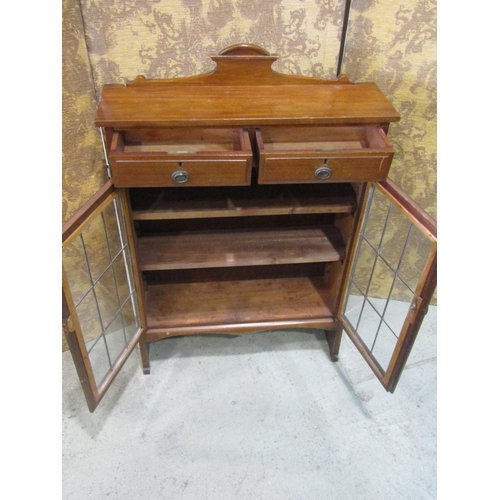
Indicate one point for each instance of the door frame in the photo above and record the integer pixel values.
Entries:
(424, 290)
(71, 325)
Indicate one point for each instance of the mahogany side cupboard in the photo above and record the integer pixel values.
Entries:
(239, 201)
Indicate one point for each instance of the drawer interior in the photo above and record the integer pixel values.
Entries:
(182, 141)
(321, 139)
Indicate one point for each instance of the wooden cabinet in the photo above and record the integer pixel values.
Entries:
(244, 201)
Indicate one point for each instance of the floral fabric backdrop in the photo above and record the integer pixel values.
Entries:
(393, 44)
(83, 171)
(390, 42)
(170, 38)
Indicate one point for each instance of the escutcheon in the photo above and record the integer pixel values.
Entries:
(180, 176)
(323, 173)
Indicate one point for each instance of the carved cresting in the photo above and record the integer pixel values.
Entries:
(242, 89)
(246, 64)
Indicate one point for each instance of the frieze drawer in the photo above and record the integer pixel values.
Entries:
(323, 154)
(181, 157)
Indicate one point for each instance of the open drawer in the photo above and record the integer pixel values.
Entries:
(323, 154)
(180, 157)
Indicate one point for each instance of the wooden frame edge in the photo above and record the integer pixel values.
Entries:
(86, 210)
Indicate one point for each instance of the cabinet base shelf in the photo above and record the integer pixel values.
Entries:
(235, 307)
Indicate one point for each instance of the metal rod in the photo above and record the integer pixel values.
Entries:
(376, 258)
(389, 265)
(98, 309)
(343, 36)
(113, 270)
(390, 291)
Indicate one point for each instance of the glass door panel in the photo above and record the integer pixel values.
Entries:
(101, 295)
(391, 281)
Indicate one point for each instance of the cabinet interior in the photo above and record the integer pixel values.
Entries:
(245, 254)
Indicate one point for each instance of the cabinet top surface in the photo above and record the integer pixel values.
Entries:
(243, 90)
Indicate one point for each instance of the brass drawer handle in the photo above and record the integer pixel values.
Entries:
(180, 176)
(323, 173)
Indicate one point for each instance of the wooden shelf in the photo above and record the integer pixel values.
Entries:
(206, 249)
(158, 204)
(236, 302)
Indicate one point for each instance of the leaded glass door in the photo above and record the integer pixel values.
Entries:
(392, 279)
(101, 307)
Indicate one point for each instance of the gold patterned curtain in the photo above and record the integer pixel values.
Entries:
(83, 171)
(393, 43)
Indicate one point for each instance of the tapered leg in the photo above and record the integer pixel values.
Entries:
(144, 348)
(333, 338)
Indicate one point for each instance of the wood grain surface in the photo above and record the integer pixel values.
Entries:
(218, 303)
(244, 247)
(164, 106)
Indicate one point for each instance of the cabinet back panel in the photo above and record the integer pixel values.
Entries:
(310, 270)
(153, 227)
(158, 203)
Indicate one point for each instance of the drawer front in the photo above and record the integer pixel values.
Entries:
(129, 172)
(338, 168)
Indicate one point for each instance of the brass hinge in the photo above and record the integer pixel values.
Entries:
(68, 325)
(414, 307)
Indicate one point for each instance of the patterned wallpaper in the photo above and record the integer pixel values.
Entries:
(83, 171)
(170, 38)
(393, 43)
(390, 42)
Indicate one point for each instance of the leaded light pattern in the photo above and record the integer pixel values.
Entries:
(98, 268)
(391, 256)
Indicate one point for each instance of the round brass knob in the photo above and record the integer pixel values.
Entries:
(323, 173)
(180, 176)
